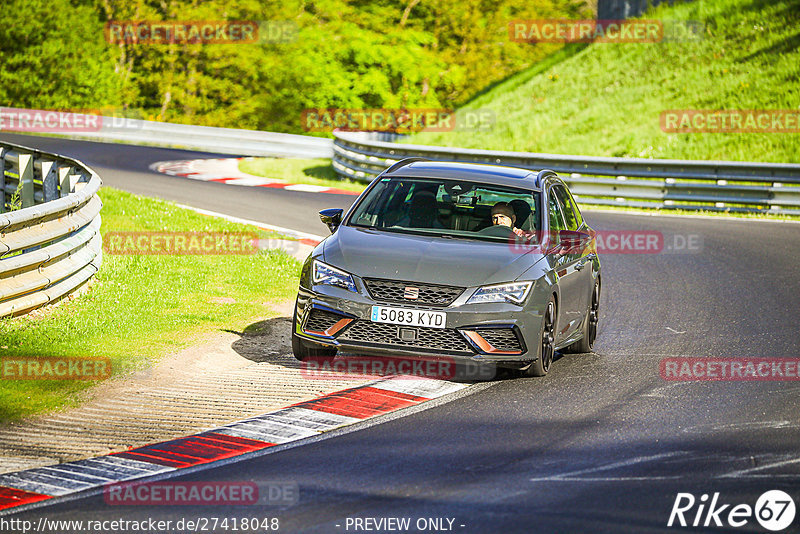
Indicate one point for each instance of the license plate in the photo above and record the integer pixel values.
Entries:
(404, 316)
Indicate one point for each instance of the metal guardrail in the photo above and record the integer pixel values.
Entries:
(50, 240)
(212, 139)
(628, 182)
(166, 134)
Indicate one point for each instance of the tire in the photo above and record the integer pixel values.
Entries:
(589, 328)
(306, 350)
(546, 348)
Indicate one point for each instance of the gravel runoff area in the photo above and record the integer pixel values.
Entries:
(224, 378)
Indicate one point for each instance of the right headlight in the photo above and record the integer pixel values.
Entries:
(513, 292)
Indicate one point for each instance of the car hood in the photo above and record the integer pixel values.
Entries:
(460, 262)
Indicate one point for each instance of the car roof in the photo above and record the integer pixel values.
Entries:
(470, 172)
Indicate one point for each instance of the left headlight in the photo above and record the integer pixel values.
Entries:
(515, 293)
(326, 274)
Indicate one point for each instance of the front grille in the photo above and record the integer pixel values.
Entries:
(443, 339)
(321, 320)
(502, 339)
(429, 294)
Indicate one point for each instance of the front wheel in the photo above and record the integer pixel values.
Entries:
(546, 343)
(307, 350)
(590, 322)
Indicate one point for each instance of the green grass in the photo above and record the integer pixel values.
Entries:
(606, 99)
(299, 171)
(140, 308)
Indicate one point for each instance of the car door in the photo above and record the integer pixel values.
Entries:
(582, 252)
(563, 264)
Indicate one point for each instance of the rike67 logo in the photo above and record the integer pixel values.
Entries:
(774, 510)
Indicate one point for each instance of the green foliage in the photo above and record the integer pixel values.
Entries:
(53, 56)
(347, 54)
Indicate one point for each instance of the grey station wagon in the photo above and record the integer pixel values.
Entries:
(471, 262)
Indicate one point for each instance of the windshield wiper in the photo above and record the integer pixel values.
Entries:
(453, 236)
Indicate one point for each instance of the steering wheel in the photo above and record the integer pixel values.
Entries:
(497, 230)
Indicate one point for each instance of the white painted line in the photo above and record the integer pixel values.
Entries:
(572, 475)
(312, 419)
(307, 188)
(39, 481)
(105, 472)
(265, 226)
(266, 431)
(247, 181)
(123, 466)
(425, 387)
(198, 176)
(268, 424)
(745, 473)
(34, 487)
(58, 471)
(605, 479)
(62, 479)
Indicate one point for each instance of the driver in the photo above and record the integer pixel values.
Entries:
(503, 215)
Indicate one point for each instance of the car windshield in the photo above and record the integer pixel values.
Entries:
(448, 208)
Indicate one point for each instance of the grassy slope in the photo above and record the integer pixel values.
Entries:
(142, 307)
(606, 100)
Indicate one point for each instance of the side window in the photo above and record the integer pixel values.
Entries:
(571, 200)
(571, 215)
(554, 212)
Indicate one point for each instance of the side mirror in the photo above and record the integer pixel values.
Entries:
(572, 242)
(331, 217)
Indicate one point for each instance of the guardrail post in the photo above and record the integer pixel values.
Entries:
(49, 183)
(26, 179)
(64, 186)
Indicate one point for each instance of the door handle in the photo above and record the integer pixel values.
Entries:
(583, 262)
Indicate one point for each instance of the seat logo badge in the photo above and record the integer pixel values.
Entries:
(411, 293)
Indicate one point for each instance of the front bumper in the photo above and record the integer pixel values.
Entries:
(504, 334)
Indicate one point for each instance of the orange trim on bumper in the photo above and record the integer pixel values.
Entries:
(341, 323)
(485, 346)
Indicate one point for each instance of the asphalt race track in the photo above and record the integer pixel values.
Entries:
(602, 444)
